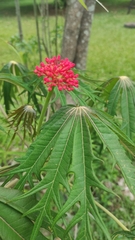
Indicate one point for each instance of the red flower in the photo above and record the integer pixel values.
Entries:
(58, 73)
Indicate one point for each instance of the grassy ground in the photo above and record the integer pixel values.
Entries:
(111, 49)
(8, 29)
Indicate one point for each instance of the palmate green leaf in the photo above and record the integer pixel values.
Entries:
(56, 169)
(64, 147)
(111, 141)
(74, 134)
(40, 150)
(81, 166)
(12, 223)
(122, 94)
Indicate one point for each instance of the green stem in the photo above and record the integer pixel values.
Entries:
(112, 216)
(48, 97)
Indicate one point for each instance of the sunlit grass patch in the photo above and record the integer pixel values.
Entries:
(111, 49)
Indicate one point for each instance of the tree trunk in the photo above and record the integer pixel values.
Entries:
(84, 35)
(17, 6)
(77, 32)
(74, 14)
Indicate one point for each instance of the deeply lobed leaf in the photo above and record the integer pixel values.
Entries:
(64, 146)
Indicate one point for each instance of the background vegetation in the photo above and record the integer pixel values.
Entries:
(111, 44)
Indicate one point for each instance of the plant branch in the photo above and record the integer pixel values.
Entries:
(112, 216)
(44, 109)
(56, 27)
(37, 29)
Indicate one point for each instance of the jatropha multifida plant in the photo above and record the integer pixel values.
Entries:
(50, 193)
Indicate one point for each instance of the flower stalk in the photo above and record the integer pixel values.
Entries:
(44, 109)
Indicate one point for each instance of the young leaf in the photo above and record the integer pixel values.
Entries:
(113, 98)
(124, 89)
(16, 80)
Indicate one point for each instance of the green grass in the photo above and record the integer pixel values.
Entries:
(8, 29)
(111, 49)
(114, 2)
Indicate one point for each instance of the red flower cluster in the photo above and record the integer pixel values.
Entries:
(58, 73)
